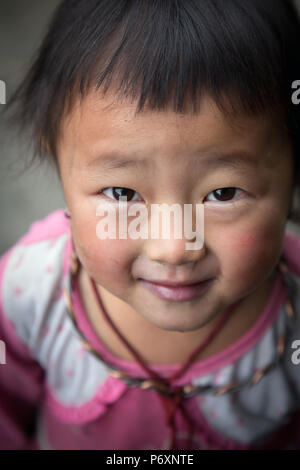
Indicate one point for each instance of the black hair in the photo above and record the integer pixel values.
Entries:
(243, 53)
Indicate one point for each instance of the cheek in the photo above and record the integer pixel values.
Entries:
(107, 261)
(248, 257)
(246, 241)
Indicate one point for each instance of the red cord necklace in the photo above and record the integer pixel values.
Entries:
(174, 399)
(171, 396)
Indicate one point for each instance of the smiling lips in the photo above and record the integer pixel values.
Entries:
(175, 291)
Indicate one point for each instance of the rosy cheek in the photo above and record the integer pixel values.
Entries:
(246, 241)
(250, 255)
(253, 249)
(235, 244)
(109, 255)
(250, 243)
(242, 251)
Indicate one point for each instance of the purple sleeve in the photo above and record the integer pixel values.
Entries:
(21, 383)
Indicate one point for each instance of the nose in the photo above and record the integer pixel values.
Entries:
(171, 243)
(173, 251)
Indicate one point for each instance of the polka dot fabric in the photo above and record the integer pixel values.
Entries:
(75, 394)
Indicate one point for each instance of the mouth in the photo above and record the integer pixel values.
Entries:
(178, 292)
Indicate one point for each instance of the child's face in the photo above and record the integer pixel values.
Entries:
(243, 232)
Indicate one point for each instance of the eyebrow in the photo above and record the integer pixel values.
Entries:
(235, 160)
(113, 162)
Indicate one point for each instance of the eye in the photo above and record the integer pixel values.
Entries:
(115, 193)
(225, 194)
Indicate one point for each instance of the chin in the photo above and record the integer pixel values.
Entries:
(178, 326)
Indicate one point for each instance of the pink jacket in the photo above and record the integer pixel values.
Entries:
(55, 394)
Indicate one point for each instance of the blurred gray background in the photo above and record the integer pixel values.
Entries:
(33, 194)
(30, 195)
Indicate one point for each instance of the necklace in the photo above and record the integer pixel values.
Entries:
(172, 396)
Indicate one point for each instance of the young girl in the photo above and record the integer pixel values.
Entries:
(123, 343)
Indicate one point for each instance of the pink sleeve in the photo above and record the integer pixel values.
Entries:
(21, 383)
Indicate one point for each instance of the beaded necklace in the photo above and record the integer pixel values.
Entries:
(172, 397)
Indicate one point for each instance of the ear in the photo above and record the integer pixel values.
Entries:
(44, 146)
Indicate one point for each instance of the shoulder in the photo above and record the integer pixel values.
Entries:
(292, 359)
(291, 251)
(264, 383)
(33, 276)
(31, 272)
(46, 229)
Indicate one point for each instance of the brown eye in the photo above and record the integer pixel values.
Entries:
(116, 193)
(224, 194)
(123, 192)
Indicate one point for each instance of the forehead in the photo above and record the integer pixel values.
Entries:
(100, 124)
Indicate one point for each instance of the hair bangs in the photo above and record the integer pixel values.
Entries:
(160, 54)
